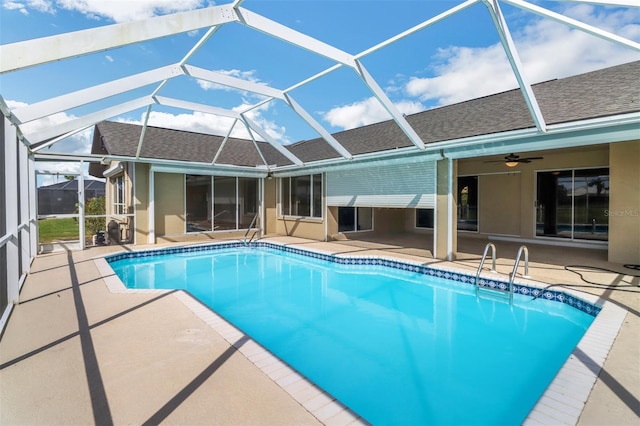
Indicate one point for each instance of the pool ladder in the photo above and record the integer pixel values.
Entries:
(509, 293)
(244, 239)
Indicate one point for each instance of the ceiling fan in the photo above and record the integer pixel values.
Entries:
(512, 160)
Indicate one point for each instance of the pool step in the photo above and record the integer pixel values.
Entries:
(494, 294)
(512, 276)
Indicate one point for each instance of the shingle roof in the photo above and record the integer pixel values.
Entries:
(610, 91)
(72, 185)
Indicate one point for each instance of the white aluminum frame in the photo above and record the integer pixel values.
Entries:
(24, 54)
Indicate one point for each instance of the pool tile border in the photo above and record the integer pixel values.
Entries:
(519, 287)
(562, 402)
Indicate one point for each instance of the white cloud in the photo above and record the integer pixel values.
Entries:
(56, 172)
(216, 125)
(109, 58)
(80, 143)
(547, 50)
(44, 6)
(242, 75)
(365, 112)
(117, 11)
(14, 5)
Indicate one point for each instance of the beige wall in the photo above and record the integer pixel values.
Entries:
(332, 221)
(169, 204)
(141, 203)
(499, 210)
(388, 220)
(270, 206)
(299, 227)
(624, 203)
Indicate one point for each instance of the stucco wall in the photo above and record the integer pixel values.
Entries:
(388, 220)
(169, 204)
(499, 199)
(332, 221)
(141, 203)
(624, 203)
(270, 207)
(300, 227)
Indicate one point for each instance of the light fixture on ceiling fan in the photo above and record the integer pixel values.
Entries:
(513, 160)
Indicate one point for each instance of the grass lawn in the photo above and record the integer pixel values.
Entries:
(57, 229)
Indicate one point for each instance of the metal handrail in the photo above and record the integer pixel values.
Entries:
(515, 269)
(484, 256)
(244, 240)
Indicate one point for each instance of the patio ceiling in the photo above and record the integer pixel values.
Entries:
(31, 120)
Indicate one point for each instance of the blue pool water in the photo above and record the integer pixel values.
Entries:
(397, 347)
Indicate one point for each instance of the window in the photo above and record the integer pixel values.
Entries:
(198, 203)
(220, 203)
(224, 203)
(573, 204)
(302, 196)
(424, 218)
(468, 203)
(119, 203)
(354, 219)
(248, 201)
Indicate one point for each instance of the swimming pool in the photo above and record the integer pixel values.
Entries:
(403, 345)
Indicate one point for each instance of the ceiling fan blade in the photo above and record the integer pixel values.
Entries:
(532, 158)
(494, 161)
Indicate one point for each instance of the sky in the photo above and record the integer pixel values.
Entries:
(454, 60)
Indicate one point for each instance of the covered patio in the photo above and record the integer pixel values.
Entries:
(73, 352)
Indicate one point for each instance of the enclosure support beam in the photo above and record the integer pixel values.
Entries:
(10, 159)
(33, 207)
(152, 210)
(81, 199)
(516, 64)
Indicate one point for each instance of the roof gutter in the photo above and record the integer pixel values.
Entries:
(186, 166)
(112, 171)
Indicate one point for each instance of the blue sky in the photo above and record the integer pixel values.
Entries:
(457, 59)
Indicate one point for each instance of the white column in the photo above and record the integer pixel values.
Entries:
(23, 164)
(152, 210)
(81, 199)
(33, 208)
(451, 218)
(262, 209)
(11, 198)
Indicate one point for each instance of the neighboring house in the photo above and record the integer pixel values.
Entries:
(577, 184)
(62, 197)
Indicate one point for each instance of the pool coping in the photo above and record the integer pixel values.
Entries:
(561, 403)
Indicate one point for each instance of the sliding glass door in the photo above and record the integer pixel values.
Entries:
(220, 203)
(572, 204)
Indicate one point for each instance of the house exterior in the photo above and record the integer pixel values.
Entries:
(62, 197)
(486, 172)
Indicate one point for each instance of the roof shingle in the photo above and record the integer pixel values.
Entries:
(606, 92)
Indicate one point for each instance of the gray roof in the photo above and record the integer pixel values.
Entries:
(72, 185)
(610, 91)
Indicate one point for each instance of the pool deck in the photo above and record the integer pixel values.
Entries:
(77, 352)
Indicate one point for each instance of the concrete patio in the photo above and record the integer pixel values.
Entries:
(73, 352)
